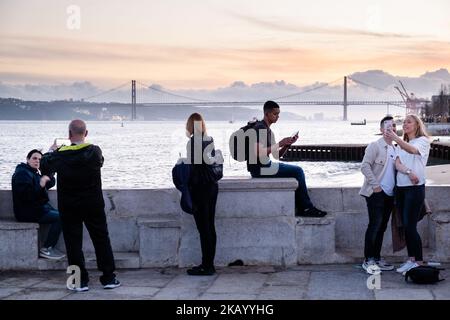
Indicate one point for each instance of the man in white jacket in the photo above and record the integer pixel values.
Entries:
(378, 168)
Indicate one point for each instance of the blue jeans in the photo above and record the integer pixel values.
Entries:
(302, 201)
(51, 216)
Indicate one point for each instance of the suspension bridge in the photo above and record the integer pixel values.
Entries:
(167, 98)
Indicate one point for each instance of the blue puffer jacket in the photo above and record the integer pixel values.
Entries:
(28, 196)
(181, 174)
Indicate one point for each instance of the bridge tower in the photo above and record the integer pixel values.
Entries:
(133, 99)
(345, 100)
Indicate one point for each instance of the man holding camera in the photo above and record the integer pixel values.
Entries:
(378, 168)
(80, 200)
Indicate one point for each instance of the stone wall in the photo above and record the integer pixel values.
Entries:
(255, 222)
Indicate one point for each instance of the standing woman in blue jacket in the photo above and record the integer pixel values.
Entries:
(204, 189)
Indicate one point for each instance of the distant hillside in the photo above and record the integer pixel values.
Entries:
(16, 109)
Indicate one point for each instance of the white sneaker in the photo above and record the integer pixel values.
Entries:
(408, 265)
(384, 266)
(371, 267)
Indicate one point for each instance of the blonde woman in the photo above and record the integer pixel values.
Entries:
(204, 190)
(410, 193)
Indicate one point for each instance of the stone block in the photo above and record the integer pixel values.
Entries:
(315, 240)
(159, 241)
(19, 245)
(262, 241)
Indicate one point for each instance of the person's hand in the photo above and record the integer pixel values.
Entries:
(44, 180)
(377, 189)
(414, 179)
(54, 146)
(294, 139)
(287, 141)
(391, 135)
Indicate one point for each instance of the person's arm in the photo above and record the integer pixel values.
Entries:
(366, 167)
(405, 170)
(51, 183)
(98, 159)
(47, 164)
(402, 143)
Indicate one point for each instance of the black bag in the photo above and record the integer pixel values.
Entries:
(423, 275)
(216, 168)
(233, 143)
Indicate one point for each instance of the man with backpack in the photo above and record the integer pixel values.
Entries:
(259, 142)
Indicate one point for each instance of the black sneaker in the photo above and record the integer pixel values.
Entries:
(313, 213)
(114, 283)
(201, 271)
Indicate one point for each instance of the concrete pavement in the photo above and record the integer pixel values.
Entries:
(347, 282)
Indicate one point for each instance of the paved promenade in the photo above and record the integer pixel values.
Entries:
(346, 282)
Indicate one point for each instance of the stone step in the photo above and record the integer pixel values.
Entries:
(124, 260)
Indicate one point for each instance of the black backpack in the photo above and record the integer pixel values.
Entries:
(233, 143)
(423, 275)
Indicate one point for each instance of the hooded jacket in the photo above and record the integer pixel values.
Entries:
(78, 169)
(29, 197)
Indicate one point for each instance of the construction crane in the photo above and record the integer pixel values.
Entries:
(413, 105)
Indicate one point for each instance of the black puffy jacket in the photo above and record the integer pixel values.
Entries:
(29, 197)
(78, 169)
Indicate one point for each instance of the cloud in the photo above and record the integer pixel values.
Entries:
(306, 29)
(423, 86)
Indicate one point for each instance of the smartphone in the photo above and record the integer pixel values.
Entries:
(388, 124)
(294, 134)
(62, 142)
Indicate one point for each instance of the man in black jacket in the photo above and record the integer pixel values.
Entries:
(31, 203)
(80, 200)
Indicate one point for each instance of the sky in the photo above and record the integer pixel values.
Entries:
(209, 43)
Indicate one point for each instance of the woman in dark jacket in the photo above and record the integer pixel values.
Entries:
(31, 202)
(203, 188)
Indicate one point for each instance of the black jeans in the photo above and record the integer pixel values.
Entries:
(409, 201)
(379, 206)
(204, 199)
(95, 221)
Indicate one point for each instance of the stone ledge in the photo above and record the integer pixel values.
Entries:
(441, 217)
(249, 184)
(329, 218)
(15, 225)
(159, 223)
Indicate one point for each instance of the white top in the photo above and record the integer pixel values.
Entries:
(415, 162)
(387, 182)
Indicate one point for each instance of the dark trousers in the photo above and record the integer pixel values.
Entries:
(95, 222)
(204, 198)
(379, 206)
(302, 200)
(51, 217)
(409, 201)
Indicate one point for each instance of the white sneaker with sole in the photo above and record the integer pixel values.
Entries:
(383, 265)
(371, 267)
(408, 265)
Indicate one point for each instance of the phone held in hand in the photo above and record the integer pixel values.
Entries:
(62, 142)
(388, 124)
